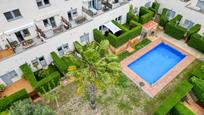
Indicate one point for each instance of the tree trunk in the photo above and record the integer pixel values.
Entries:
(92, 98)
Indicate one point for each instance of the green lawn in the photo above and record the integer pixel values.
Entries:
(4, 113)
(128, 99)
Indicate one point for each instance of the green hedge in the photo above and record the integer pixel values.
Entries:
(6, 102)
(171, 100)
(163, 18)
(181, 109)
(196, 28)
(174, 29)
(50, 81)
(60, 64)
(198, 88)
(126, 36)
(131, 16)
(197, 41)
(98, 36)
(155, 7)
(145, 15)
(28, 74)
(198, 72)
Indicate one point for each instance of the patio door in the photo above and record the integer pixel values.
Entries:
(50, 22)
(19, 36)
(72, 13)
(42, 61)
(22, 34)
(7, 78)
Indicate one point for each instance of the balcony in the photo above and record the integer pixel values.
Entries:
(65, 26)
(104, 6)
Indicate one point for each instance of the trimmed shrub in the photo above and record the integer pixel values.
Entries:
(47, 84)
(198, 88)
(199, 71)
(196, 28)
(173, 29)
(155, 7)
(123, 28)
(181, 90)
(145, 15)
(181, 109)
(6, 102)
(123, 38)
(163, 18)
(44, 84)
(131, 16)
(197, 41)
(59, 63)
(28, 74)
(98, 36)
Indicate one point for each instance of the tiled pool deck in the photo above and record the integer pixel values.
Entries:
(152, 90)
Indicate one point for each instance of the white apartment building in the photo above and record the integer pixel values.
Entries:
(31, 29)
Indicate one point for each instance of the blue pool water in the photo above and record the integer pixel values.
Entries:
(155, 63)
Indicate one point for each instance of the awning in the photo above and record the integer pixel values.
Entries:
(112, 27)
(19, 28)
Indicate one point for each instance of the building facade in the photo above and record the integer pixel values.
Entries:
(31, 29)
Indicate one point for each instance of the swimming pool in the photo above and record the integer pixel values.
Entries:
(156, 62)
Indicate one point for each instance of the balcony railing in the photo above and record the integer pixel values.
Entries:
(106, 6)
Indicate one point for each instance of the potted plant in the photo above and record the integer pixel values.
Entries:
(2, 87)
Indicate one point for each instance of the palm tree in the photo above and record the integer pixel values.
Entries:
(99, 69)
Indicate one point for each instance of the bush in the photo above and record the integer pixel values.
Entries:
(59, 63)
(155, 7)
(6, 102)
(163, 18)
(25, 107)
(197, 41)
(199, 71)
(174, 29)
(196, 28)
(98, 36)
(131, 16)
(28, 74)
(198, 88)
(43, 85)
(181, 90)
(145, 15)
(47, 84)
(181, 109)
(123, 38)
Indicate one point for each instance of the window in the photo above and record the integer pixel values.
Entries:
(119, 19)
(63, 49)
(42, 61)
(187, 24)
(136, 10)
(50, 22)
(84, 38)
(171, 14)
(7, 78)
(43, 3)
(13, 15)
(74, 12)
(60, 51)
(148, 4)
